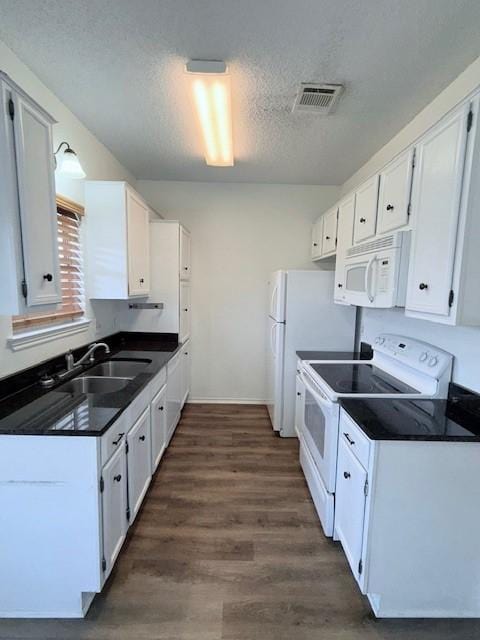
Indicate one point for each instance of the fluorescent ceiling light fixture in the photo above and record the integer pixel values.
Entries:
(211, 91)
(69, 164)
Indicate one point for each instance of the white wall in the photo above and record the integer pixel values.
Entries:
(99, 164)
(240, 233)
(462, 342)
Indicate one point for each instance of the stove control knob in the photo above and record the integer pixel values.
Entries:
(423, 356)
(433, 361)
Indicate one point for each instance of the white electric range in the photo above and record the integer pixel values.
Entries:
(400, 367)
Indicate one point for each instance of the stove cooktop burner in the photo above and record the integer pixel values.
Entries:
(360, 378)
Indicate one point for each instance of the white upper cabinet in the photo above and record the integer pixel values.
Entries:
(28, 218)
(436, 198)
(346, 216)
(366, 200)
(329, 238)
(395, 190)
(185, 254)
(317, 234)
(117, 223)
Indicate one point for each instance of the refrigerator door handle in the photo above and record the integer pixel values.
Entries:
(273, 301)
(272, 333)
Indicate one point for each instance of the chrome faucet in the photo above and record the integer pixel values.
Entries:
(90, 354)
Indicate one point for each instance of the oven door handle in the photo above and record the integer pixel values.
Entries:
(368, 278)
(320, 398)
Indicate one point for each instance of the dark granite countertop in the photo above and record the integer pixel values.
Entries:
(29, 409)
(456, 419)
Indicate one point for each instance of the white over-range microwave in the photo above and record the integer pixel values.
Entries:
(376, 272)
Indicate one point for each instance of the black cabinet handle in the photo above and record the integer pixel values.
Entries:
(327, 237)
(315, 244)
(186, 353)
(142, 280)
(48, 277)
(423, 286)
(117, 478)
(363, 219)
(185, 309)
(339, 285)
(349, 440)
(120, 436)
(390, 207)
(160, 408)
(346, 475)
(142, 438)
(298, 393)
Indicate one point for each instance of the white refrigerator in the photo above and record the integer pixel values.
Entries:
(301, 316)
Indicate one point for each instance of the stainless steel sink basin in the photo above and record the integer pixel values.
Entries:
(118, 369)
(94, 384)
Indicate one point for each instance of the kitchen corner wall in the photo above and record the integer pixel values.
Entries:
(462, 342)
(99, 164)
(240, 233)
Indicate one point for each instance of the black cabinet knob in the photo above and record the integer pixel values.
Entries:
(346, 475)
(117, 478)
(142, 438)
(339, 285)
(423, 286)
(363, 220)
(185, 309)
(315, 244)
(186, 268)
(48, 277)
(160, 408)
(298, 393)
(390, 207)
(142, 280)
(327, 237)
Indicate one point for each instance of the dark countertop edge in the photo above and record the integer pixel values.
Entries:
(160, 338)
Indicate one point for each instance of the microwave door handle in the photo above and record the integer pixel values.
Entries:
(320, 399)
(368, 278)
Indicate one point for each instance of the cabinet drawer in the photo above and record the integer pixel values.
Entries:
(356, 440)
(138, 405)
(158, 382)
(114, 437)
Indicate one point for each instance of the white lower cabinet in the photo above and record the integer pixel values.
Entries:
(139, 462)
(174, 394)
(158, 417)
(114, 507)
(299, 403)
(185, 372)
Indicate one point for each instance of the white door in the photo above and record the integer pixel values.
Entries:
(329, 237)
(185, 257)
(277, 287)
(346, 215)
(366, 200)
(185, 371)
(185, 312)
(158, 423)
(435, 206)
(317, 233)
(139, 462)
(299, 403)
(114, 507)
(38, 210)
(395, 190)
(173, 394)
(276, 345)
(138, 246)
(350, 503)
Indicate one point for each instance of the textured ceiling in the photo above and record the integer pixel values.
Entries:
(118, 65)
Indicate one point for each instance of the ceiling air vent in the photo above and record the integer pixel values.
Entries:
(317, 98)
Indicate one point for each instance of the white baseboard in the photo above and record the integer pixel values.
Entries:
(225, 401)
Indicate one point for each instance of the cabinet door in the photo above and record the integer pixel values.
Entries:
(436, 195)
(138, 246)
(173, 394)
(185, 371)
(299, 403)
(185, 312)
(317, 233)
(350, 505)
(185, 255)
(38, 211)
(114, 507)
(366, 200)
(329, 237)
(158, 420)
(395, 190)
(139, 462)
(346, 215)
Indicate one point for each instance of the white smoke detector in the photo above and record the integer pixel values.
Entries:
(317, 98)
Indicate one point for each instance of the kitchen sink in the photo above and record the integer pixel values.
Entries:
(94, 384)
(118, 368)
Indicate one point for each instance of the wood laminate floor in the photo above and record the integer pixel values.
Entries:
(228, 546)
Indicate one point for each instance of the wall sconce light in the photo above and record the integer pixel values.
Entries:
(69, 164)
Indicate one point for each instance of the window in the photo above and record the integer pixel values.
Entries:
(71, 308)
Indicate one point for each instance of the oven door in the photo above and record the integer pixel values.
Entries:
(320, 430)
